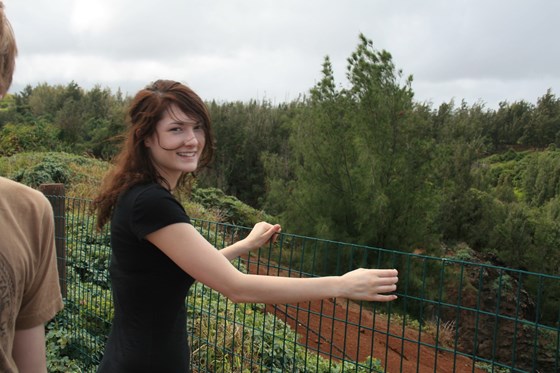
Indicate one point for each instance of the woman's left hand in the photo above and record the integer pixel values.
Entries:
(262, 233)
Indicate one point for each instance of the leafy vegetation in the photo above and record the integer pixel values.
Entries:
(81, 175)
(241, 329)
(360, 162)
(228, 208)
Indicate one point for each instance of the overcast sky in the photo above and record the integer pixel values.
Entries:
(484, 51)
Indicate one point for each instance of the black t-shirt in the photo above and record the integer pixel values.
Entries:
(149, 326)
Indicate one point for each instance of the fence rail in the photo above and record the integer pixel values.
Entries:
(452, 315)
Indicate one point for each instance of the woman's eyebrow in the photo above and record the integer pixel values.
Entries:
(182, 122)
(175, 122)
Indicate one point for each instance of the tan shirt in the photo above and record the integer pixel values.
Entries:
(29, 289)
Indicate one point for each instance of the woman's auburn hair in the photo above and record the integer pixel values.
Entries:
(133, 164)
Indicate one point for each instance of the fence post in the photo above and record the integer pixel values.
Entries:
(56, 195)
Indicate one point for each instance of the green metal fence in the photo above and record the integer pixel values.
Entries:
(452, 314)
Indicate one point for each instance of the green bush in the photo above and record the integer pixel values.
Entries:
(230, 209)
(48, 171)
(59, 339)
(17, 138)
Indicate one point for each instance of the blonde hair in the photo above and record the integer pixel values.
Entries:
(8, 52)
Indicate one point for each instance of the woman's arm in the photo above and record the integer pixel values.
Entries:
(261, 234)
(183, 244)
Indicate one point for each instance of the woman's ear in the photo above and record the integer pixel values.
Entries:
(147, 140)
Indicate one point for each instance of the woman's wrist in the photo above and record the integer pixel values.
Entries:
(243, 246)
(235, 249)
(337, 286)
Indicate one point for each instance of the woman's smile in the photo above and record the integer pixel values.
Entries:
(176, 145)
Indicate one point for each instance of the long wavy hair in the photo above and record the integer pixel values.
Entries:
(133, 164)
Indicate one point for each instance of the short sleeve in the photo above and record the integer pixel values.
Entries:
(42, 298)
(154, 209)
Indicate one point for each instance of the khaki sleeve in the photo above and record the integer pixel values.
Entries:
(42, 298)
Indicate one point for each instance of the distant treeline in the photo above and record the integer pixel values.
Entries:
(361, 162)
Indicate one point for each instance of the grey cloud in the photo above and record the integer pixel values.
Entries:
(240, 49)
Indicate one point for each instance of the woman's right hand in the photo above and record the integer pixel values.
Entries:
(370, 284)
(262, 234)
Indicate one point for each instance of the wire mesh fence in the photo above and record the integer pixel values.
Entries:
(452, 314)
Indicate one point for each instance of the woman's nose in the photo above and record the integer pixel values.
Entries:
(190, 137)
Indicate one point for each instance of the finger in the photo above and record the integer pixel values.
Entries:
(277, 233)
(386, 289)
(274, 230)
(384, 298)
(387, 281)
(386, 272)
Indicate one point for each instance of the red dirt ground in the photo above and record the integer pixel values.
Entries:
(351, 331)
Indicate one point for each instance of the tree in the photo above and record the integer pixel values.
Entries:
(541, 177)
(544, 127)
(460, 145)
(244, 131)
(509, 123)
(32, 137)
(8, 111)
(360, 168)
(104, 117)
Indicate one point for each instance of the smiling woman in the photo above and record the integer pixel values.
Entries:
(176, 144)
(176, 129)
(156, 254)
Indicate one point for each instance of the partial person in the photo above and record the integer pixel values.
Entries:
(29, 289)
(157, 254)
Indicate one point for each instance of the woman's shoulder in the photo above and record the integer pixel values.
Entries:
(151, 195)
(151, 186)
(147, 190)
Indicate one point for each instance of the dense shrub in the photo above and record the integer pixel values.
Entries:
(230, 209)
(45, 172)
(17, 138)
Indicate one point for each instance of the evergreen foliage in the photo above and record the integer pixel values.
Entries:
(358, 162)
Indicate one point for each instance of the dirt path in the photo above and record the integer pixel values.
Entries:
(345, 329)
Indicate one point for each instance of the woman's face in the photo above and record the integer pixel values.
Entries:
(176, 145)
